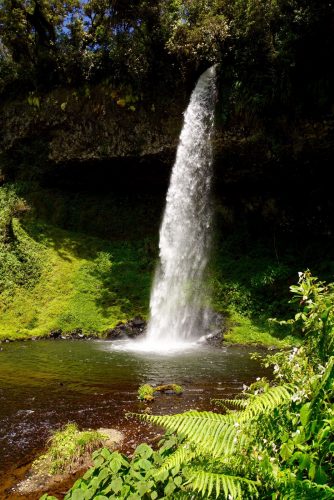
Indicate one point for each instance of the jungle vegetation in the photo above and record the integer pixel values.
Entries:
(275, 67)
(273, 53)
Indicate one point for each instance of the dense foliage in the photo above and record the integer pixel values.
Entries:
(275, 441)
(20, 263)
(273, 53)
(53, 279)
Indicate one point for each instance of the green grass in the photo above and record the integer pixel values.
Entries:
(53, 278)
(90, 283)
(84, 282)
(245, 331)
(66, 447)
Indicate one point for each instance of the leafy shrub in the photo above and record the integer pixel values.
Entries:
(315, 318)
(116, 476)
(20, 257)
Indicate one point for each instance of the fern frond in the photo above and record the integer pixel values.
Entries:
(212, 433)
(307, 490)
(237, 403)
(267, 401)
(325, 382)
(183, 454)
(205, 482)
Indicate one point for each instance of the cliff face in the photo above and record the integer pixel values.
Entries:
(98, 139)
(91, 124)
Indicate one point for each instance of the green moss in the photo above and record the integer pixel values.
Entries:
(146, 391)
(84, 282)
(177, 389)
(244, 330)
(66, 447)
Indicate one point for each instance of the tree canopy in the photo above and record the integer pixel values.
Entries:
(271, 51)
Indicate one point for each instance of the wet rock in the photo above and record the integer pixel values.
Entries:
(132, 329)
(216, 330)
(139, 322)
(76, 334)
(55, 334)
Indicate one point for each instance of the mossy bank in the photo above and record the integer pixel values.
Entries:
(54, 278)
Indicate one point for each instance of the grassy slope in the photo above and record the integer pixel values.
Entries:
(85, 283)
(246, 331)
(91, 284)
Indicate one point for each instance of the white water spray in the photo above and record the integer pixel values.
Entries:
(177, 312)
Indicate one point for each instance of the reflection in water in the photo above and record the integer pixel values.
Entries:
(45, 384)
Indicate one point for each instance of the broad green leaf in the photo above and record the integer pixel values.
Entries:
(103, 474)
(169, 488)
(116, 484)
(125, 491)
(144, 464)
(142, 488)
(286, 450)
(144, 451)
(78, 495)
(305, 413)
(178, 481)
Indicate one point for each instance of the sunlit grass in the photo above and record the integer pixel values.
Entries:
(85, 283)
(244, 331)
(66, 447)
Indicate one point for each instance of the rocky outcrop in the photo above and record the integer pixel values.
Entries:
(132, 329)
(69, 139)
(92, 124)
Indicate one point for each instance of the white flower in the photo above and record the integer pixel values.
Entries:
(295, 397)
(236, 424)
(276, 368)
(258, 378)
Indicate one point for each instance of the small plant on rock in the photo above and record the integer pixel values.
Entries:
(145, 392)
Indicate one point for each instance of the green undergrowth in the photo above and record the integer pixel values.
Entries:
(243, 330)
(250, 276)
(83, 282)
(52, 276)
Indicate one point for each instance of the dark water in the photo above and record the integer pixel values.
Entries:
(45, 384)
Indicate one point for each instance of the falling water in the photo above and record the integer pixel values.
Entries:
(177, 311)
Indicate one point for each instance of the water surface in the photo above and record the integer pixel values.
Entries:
(45, 384)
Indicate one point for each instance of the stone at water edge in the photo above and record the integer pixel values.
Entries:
(37, 482)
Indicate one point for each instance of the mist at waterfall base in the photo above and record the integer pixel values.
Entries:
(178, 315)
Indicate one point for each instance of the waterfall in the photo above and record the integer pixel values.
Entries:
(177, 311)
